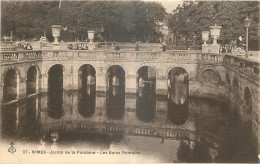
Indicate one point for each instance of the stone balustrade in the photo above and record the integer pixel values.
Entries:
(20, 56)
(245, 65)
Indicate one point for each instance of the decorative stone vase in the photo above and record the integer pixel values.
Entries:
(205, 36)
(215, 32)
(91, 35)
(56, 33)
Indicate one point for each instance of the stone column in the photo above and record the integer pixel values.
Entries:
(21, 88)
(44, 83)
(205, 37)
(100, 80)
(161, 85)
(130, 86)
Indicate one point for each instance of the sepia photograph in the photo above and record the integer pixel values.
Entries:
(129, 81)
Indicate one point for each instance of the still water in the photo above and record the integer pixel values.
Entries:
(196, 130)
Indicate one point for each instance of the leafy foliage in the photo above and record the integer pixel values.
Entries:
(192, 17)
(114, 20)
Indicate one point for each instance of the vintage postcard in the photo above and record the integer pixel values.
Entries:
(141, 81)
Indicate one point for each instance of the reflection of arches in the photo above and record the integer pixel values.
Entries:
(146, 93)
(178, 85)
(178, 92)
(115, 78)
(248, 99)
(211, 76)
(55, 78)
(11, 87)
(31, 80)
(55, 91)
(87, 90)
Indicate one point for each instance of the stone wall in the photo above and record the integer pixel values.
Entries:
(225, 69)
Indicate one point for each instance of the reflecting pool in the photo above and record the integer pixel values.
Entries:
(194, 130)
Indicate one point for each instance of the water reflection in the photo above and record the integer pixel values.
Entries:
(87, 90)
(87, 101)
(145, 103)
(115, 102)
(177, 113)
(178, 104)
(55, 91)
(210, 133)
(115, 96)
(146, 94)
(10, 119)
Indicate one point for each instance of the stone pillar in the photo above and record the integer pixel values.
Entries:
(161, 86)
(21, 88)
(205, 37)
(100, 80)
(44, 83)
(205, 48)
(130, 86)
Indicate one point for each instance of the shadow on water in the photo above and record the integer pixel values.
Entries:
(177, 113)
(178, 92)
(146, 94)
(115, 96)
(87, 101)
(217, 135)
(87, 90)
(20, 119)
(9, 119)
(55, 92)
(116, 102)
(145, 103)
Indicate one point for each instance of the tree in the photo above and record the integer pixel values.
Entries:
(115, 20)
(192, 17)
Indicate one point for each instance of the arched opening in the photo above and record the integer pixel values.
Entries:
(115, 92)
(235, 85)
(248, 100)
(10, 89)
(210, 77)
(87, 90)
(31, 82)
(146, 94)
(55, 91)
(178, 92)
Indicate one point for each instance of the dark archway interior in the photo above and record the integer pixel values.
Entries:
(146, 94)
(87, 90)
(210, 77)
(55, 91)
(10, 86)
(116, 92)
(178, 92)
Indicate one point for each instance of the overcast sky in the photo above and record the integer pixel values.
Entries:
(169, 5)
